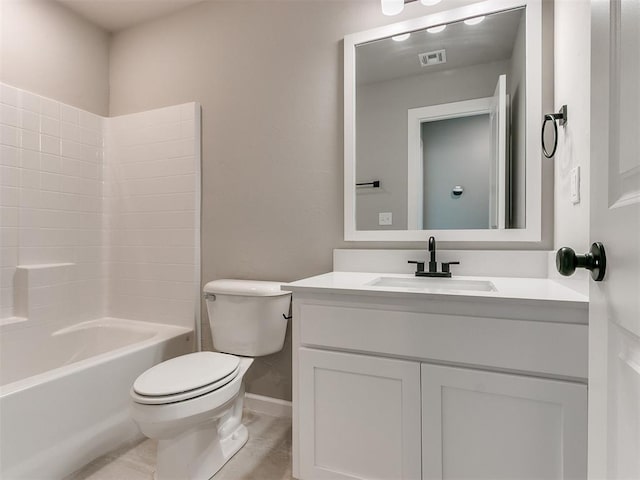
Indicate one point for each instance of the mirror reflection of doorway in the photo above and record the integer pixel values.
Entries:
(458, 164)
(456, 153)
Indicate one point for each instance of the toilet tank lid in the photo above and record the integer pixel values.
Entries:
(250, 288)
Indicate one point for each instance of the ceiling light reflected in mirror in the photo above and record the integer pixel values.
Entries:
(437, 29)
(394, 7)
(474, 20)
(401, 38)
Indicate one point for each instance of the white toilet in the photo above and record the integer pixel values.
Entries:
(193, 404)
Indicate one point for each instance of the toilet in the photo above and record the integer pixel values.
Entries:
(192, 404)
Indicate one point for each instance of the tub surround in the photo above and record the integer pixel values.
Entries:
(439, 373)
(51, 198)
(39, 285)
(152, 215)
(105, 211)
(99, 220)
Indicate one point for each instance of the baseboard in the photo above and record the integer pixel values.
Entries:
(267, 405)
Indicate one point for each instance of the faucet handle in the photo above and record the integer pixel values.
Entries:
(445, 266)
(419, 265)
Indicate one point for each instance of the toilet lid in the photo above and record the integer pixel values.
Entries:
(187, 373)
(180, 397)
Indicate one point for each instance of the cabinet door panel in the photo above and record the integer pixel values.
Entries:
(359, 417)
(478, 424)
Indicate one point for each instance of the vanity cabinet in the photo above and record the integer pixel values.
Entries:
(478, 424)
(406, 388)
(358, 416)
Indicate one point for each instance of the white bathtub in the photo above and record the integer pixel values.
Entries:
(64, 394)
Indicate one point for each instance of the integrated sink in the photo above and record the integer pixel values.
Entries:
(434, 284)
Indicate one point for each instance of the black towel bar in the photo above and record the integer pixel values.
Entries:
(374, 184)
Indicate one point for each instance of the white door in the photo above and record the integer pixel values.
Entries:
(486, 425)
(498, 155)
(359, 417)
(614, 311)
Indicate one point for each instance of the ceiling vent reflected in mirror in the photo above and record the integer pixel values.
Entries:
(432, 58)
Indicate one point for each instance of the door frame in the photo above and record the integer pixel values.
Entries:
(415, 162)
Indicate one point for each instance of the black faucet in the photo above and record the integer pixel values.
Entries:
(433, 264)
(431, 246)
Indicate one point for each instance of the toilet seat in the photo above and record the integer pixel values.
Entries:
(185, 377)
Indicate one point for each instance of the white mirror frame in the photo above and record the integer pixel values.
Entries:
(533, 105)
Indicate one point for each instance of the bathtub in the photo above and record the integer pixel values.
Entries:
(64, 393)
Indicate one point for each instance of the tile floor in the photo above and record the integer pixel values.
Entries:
(266, 456)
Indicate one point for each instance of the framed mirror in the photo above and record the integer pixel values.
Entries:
(441, 126)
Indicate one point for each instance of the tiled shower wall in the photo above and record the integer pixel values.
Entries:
(98, 216)
(152, 194)
(51, 206)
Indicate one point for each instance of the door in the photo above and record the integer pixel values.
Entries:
(478, 424)
(359, 417)
(614, 307)
(498, 155)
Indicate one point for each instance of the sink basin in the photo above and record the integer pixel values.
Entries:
(434, 284)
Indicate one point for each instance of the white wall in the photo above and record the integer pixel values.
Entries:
(572, 88)
(51, 51)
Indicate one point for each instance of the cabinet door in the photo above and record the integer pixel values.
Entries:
(478, 424)
(359, 417)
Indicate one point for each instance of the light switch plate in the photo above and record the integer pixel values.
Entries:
(575, 185)
(385, 218)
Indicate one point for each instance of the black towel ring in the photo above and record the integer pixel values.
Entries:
(561, 116)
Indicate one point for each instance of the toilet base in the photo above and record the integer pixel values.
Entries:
(196, 437)
(199, 453)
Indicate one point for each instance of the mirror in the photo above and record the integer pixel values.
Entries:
(440, 126)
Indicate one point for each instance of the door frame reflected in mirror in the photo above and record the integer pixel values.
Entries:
(533, 106)
(417, 117)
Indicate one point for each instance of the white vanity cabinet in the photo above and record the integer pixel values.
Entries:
(393, 386)
(478, 424)
(358, 415)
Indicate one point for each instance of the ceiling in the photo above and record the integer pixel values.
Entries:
(465, 45)
(114, 15)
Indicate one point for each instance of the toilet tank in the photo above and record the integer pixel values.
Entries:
(247, 317)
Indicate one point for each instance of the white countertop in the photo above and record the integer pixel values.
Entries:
(524, 289)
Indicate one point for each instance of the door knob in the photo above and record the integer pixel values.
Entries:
(595, 260)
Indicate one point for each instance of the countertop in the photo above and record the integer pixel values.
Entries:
(528, 290)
